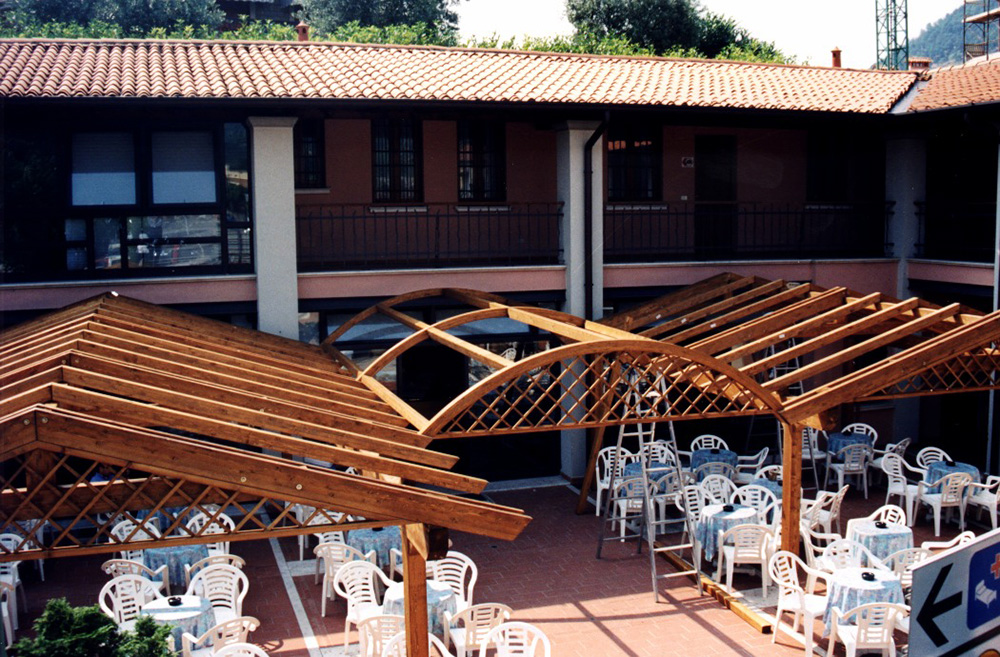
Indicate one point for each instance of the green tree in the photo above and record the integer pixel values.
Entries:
(656, 24)
(326, 15)
(133, 17)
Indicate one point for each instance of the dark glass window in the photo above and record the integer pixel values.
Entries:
(634, 163)
(481, 161)
(396, 160)
(310, 151)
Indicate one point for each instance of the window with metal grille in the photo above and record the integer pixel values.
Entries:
(481, 161)
(635, 157)
(396, 160)
(310, 154)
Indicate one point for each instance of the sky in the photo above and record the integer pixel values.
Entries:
(805, 29)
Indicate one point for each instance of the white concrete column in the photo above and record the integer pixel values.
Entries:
(273, 185)
(906, 184)
(571, 138)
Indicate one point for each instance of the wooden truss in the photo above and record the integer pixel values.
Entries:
(115, 409)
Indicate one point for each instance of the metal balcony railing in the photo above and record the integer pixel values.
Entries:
(349, 237)
(743, 231)
(956, 230)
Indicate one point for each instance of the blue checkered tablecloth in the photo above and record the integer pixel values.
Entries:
(881, 541)
(175, 557)
(714, 519)
(700, 457)
(378, 539)
(440, 598)
(939, 469)
(838, 441)
(848, 590)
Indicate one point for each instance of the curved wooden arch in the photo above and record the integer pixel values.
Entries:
(603, 383)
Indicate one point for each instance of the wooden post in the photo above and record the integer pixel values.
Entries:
(791, 486)
(589, 474)
(415, 591)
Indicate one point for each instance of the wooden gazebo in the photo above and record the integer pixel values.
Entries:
(184, 414)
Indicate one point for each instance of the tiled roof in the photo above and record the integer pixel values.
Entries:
(968, 84)
(228, 69)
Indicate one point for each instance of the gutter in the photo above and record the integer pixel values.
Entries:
(588, 217)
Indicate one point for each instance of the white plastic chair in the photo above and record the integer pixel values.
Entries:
(744, 545)
(748, 466)
(202, 524)
(828, 510)
(663, 493)
(605, 464)
(396, 646)
(872, 630)
(902, 562)
(961, 539)
(951, 495)
(714, 468)
(863, 429)
(720, 489)
(770, 472)
(691, 501)
(761, 499)
(6, 615)
(899, 449)
(708, 441)
(657, 451)
(332, 556)
(124, 596)
(627, 501)
(890, 514)
(814, 543)
(854, 463)
(847, 553)
(116, 567)
(459, 572)
(810, 436)
(516, 639)
(929, 455)
(358, 582)
(225, 587)
(985, 496)
(802, 603)
(191, 569)
(375, 631)
(129, 530)
(240, 650)
(466, 629)
(10, 573)
(236, 630)
(309, 515)
(895, 469)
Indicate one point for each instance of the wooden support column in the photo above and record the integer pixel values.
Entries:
(588, 476)
(415, 591)
(791, 486)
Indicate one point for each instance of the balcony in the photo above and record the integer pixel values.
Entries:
(366, 237)
(665, 232)
(956, 230)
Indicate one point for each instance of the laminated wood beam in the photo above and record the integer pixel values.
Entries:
(744, 309)
(408, 463)
(415, 592)
(791, 487)
(273, 477)
(41, 342)
(49, 320)
(464, 347)
(409, 413)
(542, 321)
(850, 353)
(679, 302)
(847, 330)
(817, 323)
(775, 321)
(660, 331)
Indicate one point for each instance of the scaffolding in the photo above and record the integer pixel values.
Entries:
(979, 20)
(891, 35)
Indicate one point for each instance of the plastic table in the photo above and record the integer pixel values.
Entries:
(714, 518)
(848, 589)
(193, 615)
(440, 598)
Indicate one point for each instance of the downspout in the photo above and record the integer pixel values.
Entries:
(588, 218)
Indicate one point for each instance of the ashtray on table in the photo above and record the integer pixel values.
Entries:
(868, 576)
(950, 464)
(728, 508)
(174, 601)
(881, 524)
(715, 450)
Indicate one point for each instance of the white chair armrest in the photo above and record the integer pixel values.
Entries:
(817, 574)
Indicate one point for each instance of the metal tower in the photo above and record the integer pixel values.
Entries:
(979, 19)
(891, 35)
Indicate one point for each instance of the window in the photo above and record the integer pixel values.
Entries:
(310, 154)
(481, 161)
(396, 161)
(634, 163)
(154, 201)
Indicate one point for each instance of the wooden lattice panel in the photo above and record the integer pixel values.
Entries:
(63, 494)
(600, 384)
(965, 373)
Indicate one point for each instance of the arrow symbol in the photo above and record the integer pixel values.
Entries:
(932, 608)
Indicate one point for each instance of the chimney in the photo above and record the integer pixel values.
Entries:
(836, 57)
(302, 30)
(920, 64)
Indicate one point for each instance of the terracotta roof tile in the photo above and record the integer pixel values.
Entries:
(972, 83)
(230, 69)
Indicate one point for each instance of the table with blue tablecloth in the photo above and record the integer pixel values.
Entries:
(714, 518)
(848, 589)
(379, 539)
(771, 485)
(881, 541)
(193, 615)
(700, 457)
(440, 599)
(175, 557)
(838, 441)
(657, 470)
(939, 469)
